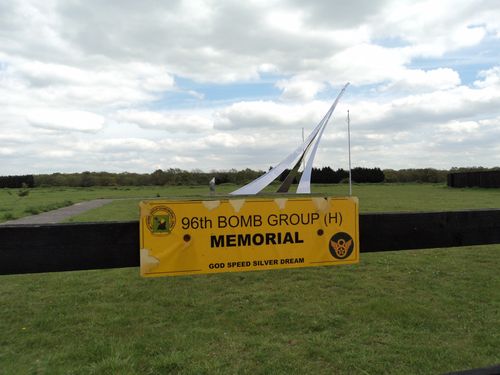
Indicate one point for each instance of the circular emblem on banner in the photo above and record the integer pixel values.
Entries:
(341, 245)
(161, 220)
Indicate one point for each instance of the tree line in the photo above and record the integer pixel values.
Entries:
(172, 176)
(175, 176)
(327, 175)
(17, 181)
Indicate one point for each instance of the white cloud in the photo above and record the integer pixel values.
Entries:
(490, 78)
(367, 63)
(109, 84)
(59, 154)
(289, 21)
(12, 138)
(433, 28)
(298, 88)
(5, 151)
(118, 145)
(63, 120)
(421, 80)
(462, 127)
(267, 114)
(165, 121)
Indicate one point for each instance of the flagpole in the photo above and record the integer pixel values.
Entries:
(349, 148)
(304, 160)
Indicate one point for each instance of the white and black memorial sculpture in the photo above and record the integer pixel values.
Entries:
(306, 151)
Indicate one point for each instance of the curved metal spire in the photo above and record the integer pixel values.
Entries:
(290, 161)
(305, 181)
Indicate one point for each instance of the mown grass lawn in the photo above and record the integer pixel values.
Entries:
(14, 205)
(413, 312)
(372, 197)
(407, 312)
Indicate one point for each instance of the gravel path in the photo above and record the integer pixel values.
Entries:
(60, 214)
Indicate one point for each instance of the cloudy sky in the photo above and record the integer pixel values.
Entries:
(140, 85)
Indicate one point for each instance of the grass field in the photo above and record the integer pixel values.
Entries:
(13, 205)
(373, 197)
(408, 312)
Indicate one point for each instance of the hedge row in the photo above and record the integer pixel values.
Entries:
(326, 175)
(17, 181)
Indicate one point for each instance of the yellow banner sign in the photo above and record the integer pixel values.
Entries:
(234, 235)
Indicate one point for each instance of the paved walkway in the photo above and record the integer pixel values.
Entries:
(60, 214)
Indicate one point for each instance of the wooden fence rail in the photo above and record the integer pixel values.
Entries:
(84, 246)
